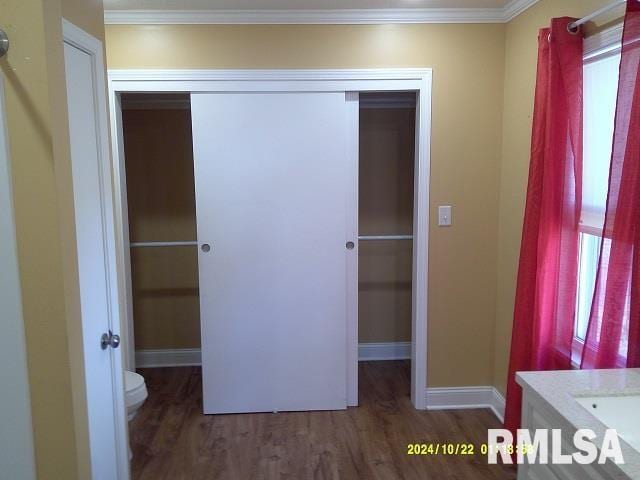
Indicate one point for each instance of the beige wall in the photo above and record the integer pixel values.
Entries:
(520, 73)
(30, 119)
(86, 14)
(41, 176)
(468, 63)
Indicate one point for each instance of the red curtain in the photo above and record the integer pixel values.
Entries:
(543, 321)
(613, 335)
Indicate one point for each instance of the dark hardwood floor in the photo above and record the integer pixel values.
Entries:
(172, 439)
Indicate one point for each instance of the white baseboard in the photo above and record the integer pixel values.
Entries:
(459, 398)
(184, 357)
(384, 351)
(175, 357)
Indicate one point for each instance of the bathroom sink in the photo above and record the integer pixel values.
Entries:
(621, 412)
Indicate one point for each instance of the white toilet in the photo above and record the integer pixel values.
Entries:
(135, 393)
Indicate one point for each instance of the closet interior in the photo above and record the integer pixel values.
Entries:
(386, 198)
(162, 224)
(159, 164)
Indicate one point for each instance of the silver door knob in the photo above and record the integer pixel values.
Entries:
(4, 43)
(109, 340)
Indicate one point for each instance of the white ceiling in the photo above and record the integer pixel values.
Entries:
(295, 4)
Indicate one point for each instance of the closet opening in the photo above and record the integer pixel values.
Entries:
(162, 223)
(252, 286)
(164, 311)
(387, 144)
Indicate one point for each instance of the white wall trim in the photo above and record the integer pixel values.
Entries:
(337, 16)
(337, 80)
(515, 7)
(170, 357)
(384, 351)
(462, 398)
(119, 76)
(353, 167)
(604, 43)
(187, 357)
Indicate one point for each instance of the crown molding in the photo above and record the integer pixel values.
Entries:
(345, 16)
(514, 8)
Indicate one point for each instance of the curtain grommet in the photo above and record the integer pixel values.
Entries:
(573, 30)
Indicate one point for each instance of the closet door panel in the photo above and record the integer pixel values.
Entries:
(271, 201)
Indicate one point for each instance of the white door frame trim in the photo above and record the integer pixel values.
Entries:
(349, 80)
(78, 38)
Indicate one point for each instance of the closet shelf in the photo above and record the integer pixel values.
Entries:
(163, 244)
(368, 238)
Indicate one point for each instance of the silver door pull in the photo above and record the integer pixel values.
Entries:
(109, 340)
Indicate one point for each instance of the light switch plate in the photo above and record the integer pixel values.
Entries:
(444, 216)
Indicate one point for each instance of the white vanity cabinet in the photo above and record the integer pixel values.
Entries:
(549, 403)
(537, 415)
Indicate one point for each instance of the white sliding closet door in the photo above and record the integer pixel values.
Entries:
(272, 194)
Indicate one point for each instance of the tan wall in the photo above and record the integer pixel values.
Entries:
(520, 73)
(161, 198)
(387, 145)
(86, 14)
(43, 199)
(468, 62)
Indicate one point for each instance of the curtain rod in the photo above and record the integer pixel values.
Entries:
(573, 26)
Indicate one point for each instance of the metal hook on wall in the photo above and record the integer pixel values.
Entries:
(4, 43)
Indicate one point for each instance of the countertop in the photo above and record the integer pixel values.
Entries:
(558, 389)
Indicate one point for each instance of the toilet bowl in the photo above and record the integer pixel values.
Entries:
(135, 392)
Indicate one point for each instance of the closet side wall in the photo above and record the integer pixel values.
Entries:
(161, 200)
(387, 146)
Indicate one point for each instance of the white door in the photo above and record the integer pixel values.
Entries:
(95, 235)
(272, 192)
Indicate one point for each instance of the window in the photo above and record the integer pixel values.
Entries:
(600, 91)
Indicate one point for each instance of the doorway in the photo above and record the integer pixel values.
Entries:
(161, 216)
(361, 81)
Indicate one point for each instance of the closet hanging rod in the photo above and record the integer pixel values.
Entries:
(573, 26)
(367, 238)
(162, 244)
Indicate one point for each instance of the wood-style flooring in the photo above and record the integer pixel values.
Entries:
(171, 438)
